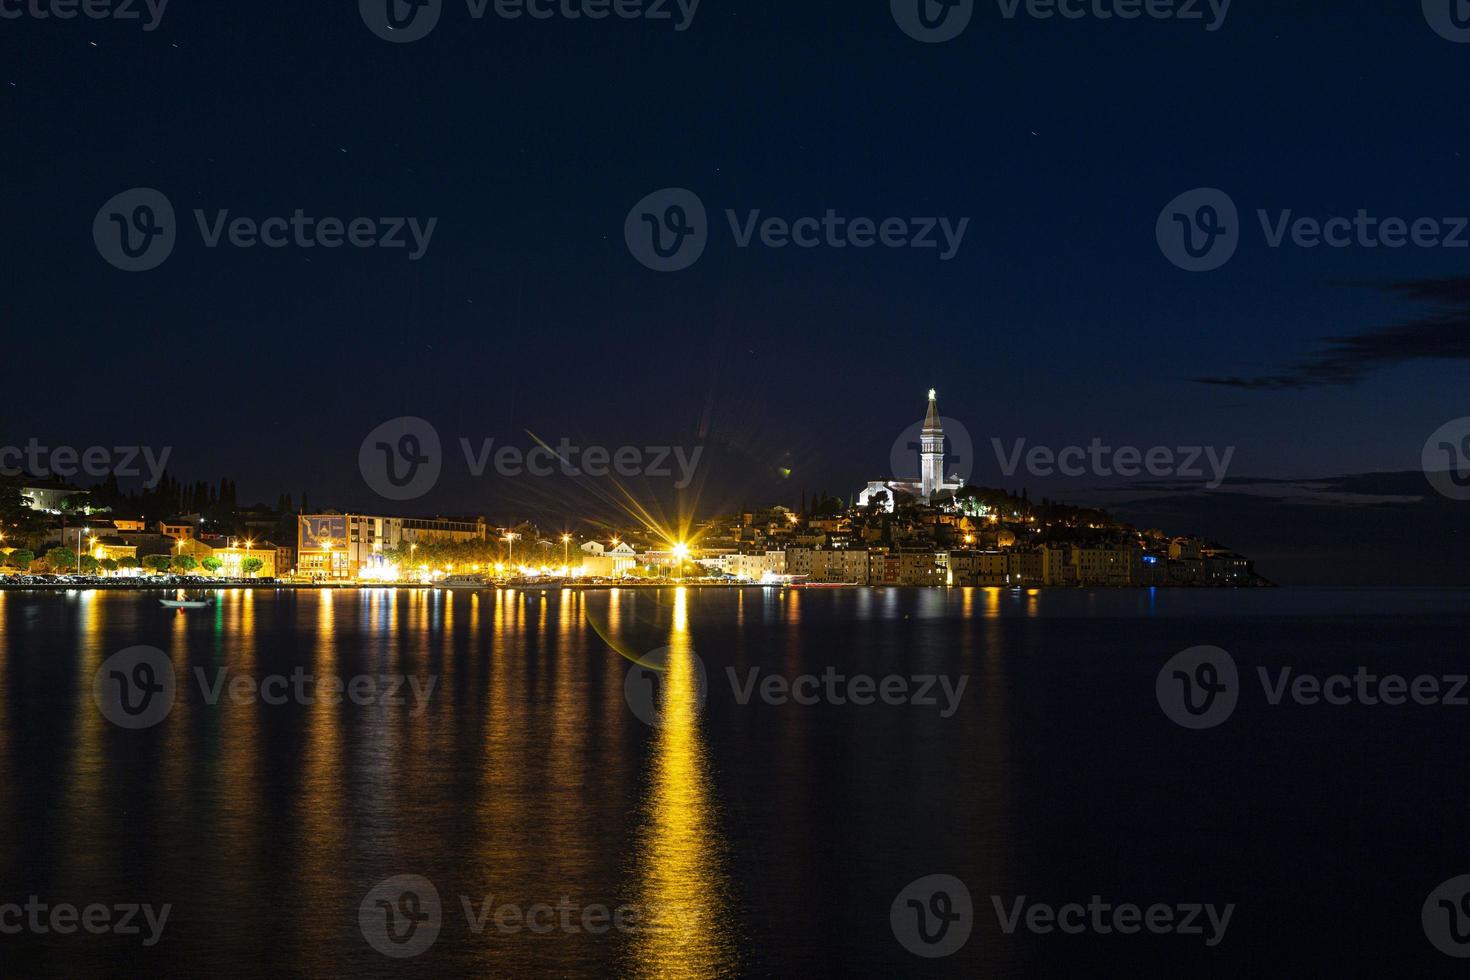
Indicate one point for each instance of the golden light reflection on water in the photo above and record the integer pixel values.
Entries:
(683, 899)
(321, 802)
(86, 764)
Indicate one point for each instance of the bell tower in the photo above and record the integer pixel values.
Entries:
(931, 451)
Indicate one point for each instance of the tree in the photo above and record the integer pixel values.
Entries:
(156, 563)
(109, 564)
(20, 558)
(251, 565)
(89, 565)
(61, 560)
(183, 563)
(128, 561)
(211, 564)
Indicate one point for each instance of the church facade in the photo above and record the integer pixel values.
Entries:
(931, 482)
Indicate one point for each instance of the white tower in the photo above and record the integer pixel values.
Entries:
(931, 452)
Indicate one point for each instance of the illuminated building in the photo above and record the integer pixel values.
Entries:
(931, 481)
(350, 546)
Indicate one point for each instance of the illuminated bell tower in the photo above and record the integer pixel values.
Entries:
(931, 451)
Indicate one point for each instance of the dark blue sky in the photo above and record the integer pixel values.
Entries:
(1058, 321)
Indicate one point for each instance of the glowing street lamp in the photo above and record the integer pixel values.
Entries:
(681, 552)
(510, 547)
(566, 545)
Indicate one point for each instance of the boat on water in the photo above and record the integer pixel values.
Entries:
(462, 582)
(776, 578)
(203, 602)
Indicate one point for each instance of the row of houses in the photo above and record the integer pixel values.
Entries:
(1050, 564)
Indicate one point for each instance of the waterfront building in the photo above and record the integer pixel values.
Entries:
(345, 546)
(607, 561)
(754, 567)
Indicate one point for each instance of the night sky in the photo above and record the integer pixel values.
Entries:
(1058, 320)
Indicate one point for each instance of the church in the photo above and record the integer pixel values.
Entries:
(931, 481)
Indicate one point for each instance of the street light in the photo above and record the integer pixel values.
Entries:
(510, 548)
(681, 552)
(566, 547)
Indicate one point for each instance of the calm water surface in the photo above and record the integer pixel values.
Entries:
(756, 839)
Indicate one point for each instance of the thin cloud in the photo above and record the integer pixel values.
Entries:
(1441, 335)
